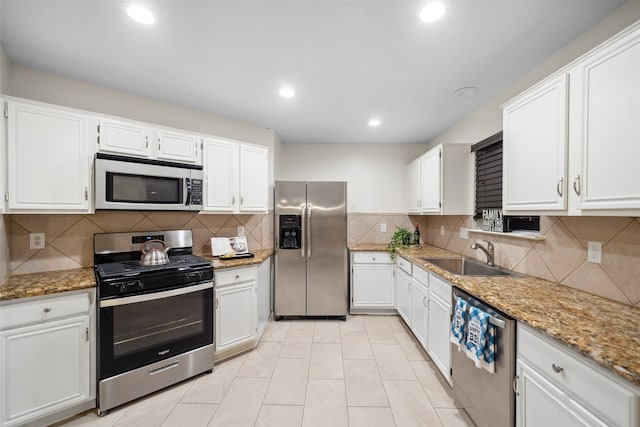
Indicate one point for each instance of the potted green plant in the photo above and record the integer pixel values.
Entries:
(400, 239)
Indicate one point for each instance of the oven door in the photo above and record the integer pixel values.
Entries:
(137, 330)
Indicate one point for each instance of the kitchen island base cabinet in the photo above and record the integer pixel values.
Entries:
(48, 353)
(372, 289)
(557, 386)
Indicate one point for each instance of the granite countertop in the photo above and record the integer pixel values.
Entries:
(605, 331)
(260, 256)
(50, 282)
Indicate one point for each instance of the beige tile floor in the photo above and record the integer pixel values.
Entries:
(366, 372)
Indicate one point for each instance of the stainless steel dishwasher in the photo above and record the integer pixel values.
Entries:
(487, 397)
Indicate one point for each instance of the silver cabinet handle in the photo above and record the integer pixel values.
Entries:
(424, 302)
(409, 287)
(559, 187)
(557, 368)
(46, 309)
(576, 185)
(216, 302)
(514, 385)
(233, 200)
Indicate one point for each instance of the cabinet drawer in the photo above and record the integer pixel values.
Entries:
(42, 310)
(404, 265)
(421, 275)
(440, 287)
(371, 258)
(235, 276)
(565, 369)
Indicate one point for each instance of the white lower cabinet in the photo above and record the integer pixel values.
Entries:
(557, 386)
(372, 286)
(264, 295)
(439, 325)
(419, 311)
(403, 289)
(235, 307)
(47, 357)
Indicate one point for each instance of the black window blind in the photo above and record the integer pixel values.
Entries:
(488, 174)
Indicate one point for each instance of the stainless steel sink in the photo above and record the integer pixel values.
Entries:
(468, 267)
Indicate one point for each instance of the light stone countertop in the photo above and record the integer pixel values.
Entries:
(604, 331)
(51, 282)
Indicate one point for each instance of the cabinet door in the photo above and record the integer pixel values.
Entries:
(254, 178)
(439, 326)
(45, 369)
(373, 286)
(413, 187)
(419, 311)
(403, 295)
(431, 180)
(605, 96)
(535, 146)
(540, 403)
(235, 315)
(264, 295)
(177, 146)
(48, 159)
(221, 175)
(120, 137)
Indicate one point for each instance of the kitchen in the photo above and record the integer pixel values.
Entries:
(374, 198)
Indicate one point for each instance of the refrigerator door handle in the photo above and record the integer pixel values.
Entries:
(303, 240)
(309, 230)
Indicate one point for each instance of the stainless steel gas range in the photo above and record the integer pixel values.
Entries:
(155, 322)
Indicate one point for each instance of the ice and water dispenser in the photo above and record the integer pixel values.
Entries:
(290, 231)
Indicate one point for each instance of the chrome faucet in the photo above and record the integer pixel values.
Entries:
(488, 251)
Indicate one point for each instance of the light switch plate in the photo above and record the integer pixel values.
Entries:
(240, 230)
(36, 241)
(464, 233)
(383, 227)
(594, 252)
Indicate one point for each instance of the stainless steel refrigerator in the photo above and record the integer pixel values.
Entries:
(310, 249)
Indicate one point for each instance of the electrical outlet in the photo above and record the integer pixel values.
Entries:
(464, 233)
(383, 227)
(594, 252)
(36, 240)
(240, 230)
(442, 230)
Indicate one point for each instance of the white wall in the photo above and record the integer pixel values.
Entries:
(39, 86)
(375, 173)
(487, 120)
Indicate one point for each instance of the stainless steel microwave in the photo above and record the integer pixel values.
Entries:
(144, 184)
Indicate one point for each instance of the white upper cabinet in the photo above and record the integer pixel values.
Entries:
(605, 127)
(178, 146)
(571, 142)
(438, 181)
(48, 159)
(413, 187)
(254, 178)
(120, 137)
(236, 176)
(535, 146)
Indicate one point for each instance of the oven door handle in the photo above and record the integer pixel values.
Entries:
(155, 295)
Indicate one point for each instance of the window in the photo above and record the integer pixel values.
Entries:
(488, 183)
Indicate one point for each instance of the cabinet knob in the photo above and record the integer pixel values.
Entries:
(237, 276)
(374, 258)
(557, 368)
(46, 309)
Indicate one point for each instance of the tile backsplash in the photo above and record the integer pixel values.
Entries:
(69, 238)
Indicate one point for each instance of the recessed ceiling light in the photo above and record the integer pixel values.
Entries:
(466, 91)
(374, 123)
(432, 12)
(140, 14)
(287, 92)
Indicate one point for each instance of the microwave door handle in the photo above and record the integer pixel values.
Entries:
(187, 183)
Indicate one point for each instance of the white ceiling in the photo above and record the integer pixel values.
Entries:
(348, 60)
